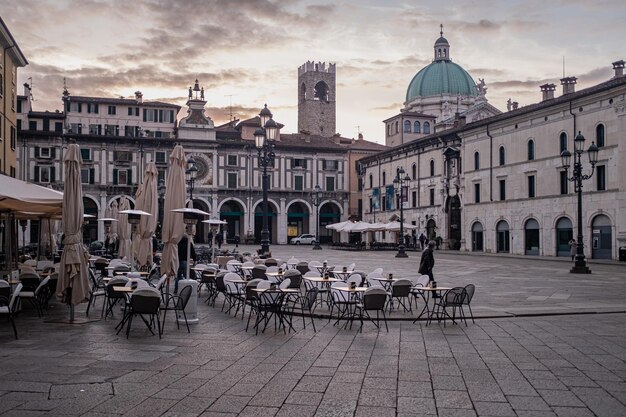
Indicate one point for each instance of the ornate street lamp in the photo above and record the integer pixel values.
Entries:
(400, 182)
(264, 139)
(316, 198)
(190, 173)
(580, 264)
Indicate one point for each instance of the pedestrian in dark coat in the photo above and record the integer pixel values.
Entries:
(428, 261)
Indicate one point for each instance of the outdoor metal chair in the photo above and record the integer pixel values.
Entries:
(305, 305)
(400, 291)
(295, 278)
(259, 272)
(303, 267)
(144, 301)
(113, 297)
(98, 289)
(374, 299)
(451, 299)
(35, 298)
(8, 306)
(469, 294)
(178, 303)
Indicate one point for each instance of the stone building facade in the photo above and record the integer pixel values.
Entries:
(497, 184)
(118, 137)
(11, 58)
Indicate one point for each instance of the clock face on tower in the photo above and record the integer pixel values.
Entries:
(205, 168)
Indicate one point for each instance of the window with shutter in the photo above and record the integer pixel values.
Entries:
(298, 183)
(92, 175)
(115, 176)
(129, 177)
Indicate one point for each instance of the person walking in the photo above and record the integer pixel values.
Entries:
(428, 261)
(219, 239)
(572, 248)
(182, 261)
(422, 240)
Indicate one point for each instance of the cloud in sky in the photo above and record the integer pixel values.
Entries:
(246, 52)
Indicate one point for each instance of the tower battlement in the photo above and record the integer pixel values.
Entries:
(312, 66)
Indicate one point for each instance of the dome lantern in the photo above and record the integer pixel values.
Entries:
(442, 47)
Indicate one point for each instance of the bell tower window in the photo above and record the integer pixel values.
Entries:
(321, 91)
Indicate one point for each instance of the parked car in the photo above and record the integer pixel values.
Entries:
(305, 239)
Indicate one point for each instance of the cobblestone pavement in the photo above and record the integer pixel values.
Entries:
(562, 365)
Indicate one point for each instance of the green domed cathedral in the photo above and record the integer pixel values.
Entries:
(437, 95)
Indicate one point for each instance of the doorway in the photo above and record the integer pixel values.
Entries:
(477, 237)
(601, 238)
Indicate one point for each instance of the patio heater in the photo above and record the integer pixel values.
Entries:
(190, 218)
(134, 217)
(107, 228)
(316, 198)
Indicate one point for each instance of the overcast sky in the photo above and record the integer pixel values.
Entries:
(246, 52)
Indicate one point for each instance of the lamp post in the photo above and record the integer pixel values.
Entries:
(400, 182)
(190, 173)
(264, 138)
(161, 190)
(580, 264)
(316, 198)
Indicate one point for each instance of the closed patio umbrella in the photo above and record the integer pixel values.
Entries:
(173, 224)
(73, 283)
(147, 201)
(123, 229)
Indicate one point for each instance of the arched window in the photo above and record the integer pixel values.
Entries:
(407, 126)
(397, 127)
(321, 91)
(384, 179)
(414, 172)
(600, 135)
(562, 142)
(426, 128)
(303, 92)
(531, 237)
(416, 127)
(531, 150)
(432, 167)
(388, 129)
(502, 155)
(476, 161)
(371, 181)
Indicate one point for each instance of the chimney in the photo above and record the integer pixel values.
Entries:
(547, 91)
(568, 84)
(618, 67)
(459, 121)
(360, 136)
(139, 96)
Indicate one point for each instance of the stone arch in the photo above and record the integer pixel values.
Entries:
(321, 91)
(299, 213)
(233, 211)
(90, 225)
(272, 224)
(117, 197)
(564, 231)
(302, 92)
(503, 236)
(330, 211)
(532, 236)
(601, 236)
(478, 231)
